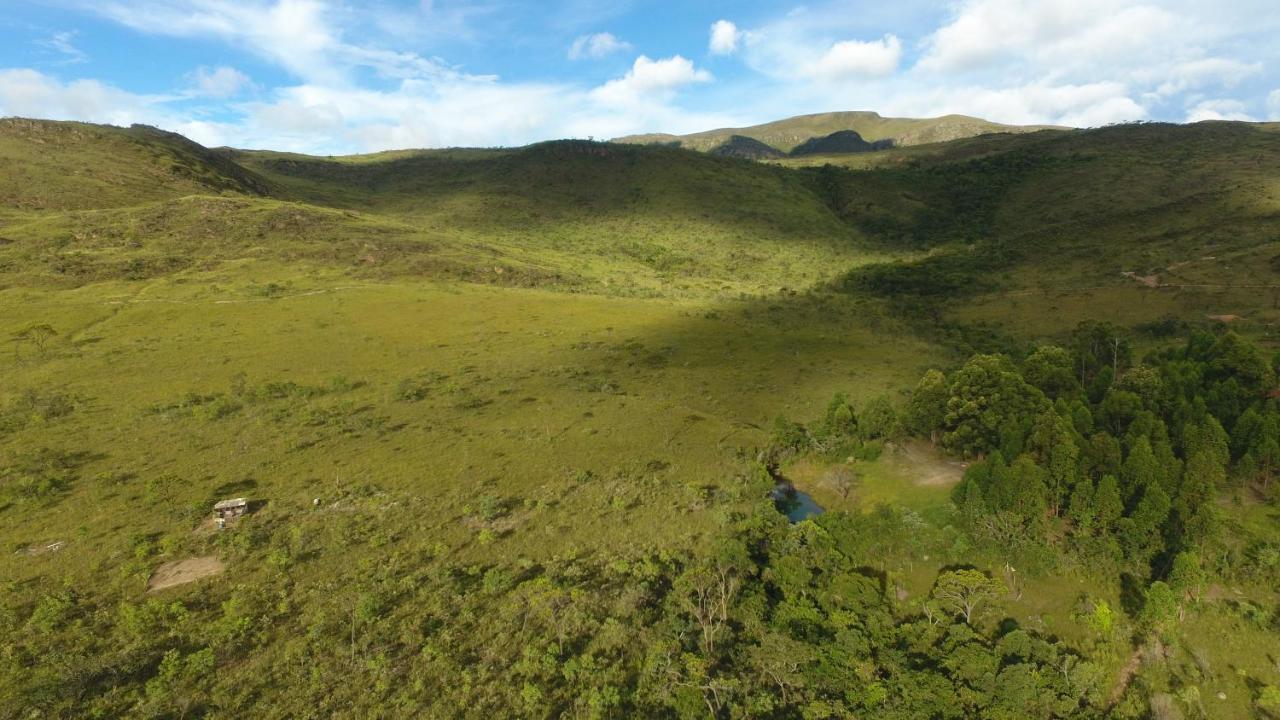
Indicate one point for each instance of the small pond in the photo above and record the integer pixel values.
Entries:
(795, 504)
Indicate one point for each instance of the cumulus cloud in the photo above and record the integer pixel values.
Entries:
(1205, 71)
(650, 80)
(29, 93)
(986, 32)
(219, 82)
(596, 46)
(856, 59)
(725, 37)
(1219, 109)
(1084, 105)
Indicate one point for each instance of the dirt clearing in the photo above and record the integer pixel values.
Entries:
(181, 572)
(925, 464)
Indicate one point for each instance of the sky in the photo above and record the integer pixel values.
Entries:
(332, 77)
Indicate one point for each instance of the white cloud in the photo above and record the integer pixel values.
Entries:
(983, 33)
(219, 82)
(1273, 106)
(649, 81)
(298, 35)
(855, 59)
(596, 46)
(725, 37)
(61, 42)
(1088, 105)
(1205, 71)
(1220, 109)
(28, 93)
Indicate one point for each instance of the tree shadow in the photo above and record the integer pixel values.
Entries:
(1132, 594)
(236, 487)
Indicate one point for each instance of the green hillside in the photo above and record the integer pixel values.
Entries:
(72, 166)
(785, 135)
(508, 422)
(1143, 223)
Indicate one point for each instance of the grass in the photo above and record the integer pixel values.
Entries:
(913, 476)
(484, 357)
(524, 392)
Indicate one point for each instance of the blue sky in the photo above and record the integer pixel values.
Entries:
(328, 76)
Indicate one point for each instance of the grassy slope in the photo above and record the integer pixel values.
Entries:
(1198, 206)
(597, 388)
(790, 132)
(70, 166)
(589, 373)
(620, 220)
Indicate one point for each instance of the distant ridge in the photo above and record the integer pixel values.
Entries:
(741, 146)
(785, 135)
(841, 141)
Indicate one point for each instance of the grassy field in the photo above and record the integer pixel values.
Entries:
(477, 358)
(586, 402)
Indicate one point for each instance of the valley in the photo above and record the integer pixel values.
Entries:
(507, 418)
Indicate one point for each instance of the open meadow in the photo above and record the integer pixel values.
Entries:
(506, 419)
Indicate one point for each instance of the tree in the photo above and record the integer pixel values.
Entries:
(988, 399)
(1186, 577)
(1050, 369)
(1142, 532)
(1255, 439)
(1195, 507)
(707, 592)
(1248, 432)
(1142, 381)
(1102, 455)
(840, 422)
(927, 409)
(1099, 346)
(1207, 436)
(879, 420)
(1081, 508)
(1053, 443)
(1029, 499)
(841, 479)
(963, 591)
(1107, 503)
(1159, 609)
(1141, 470)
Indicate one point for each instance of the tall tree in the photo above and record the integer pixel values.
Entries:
(926, 410)
(1054, 445)
(988, 399)
(963, 591)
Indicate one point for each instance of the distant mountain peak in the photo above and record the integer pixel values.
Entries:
(788, 134)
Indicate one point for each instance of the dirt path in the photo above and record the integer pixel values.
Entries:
(1126, 676)
(181, 572)
(135, 300)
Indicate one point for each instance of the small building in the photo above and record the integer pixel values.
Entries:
(229, 510)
